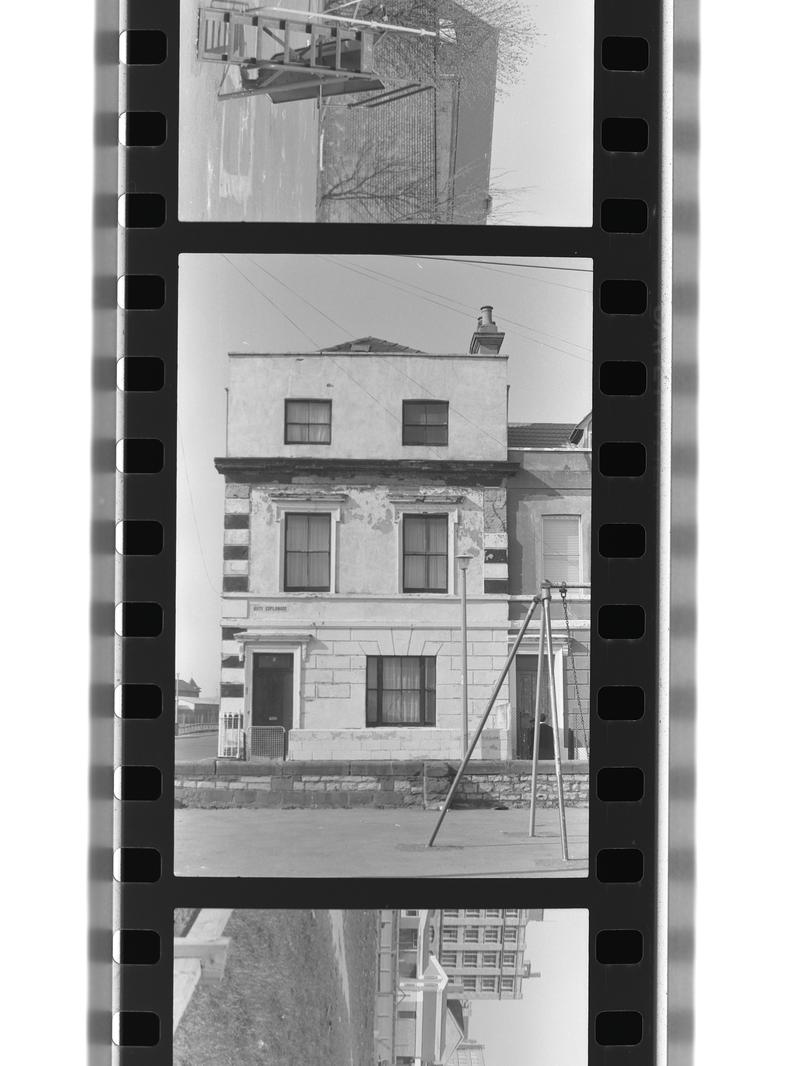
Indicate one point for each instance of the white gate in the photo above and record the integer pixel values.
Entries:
(231, 736)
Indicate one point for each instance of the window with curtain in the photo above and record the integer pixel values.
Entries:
(561, 546)
(401, 690)
(425, 421)
(425, 553)
(307, 553)
(307, 422)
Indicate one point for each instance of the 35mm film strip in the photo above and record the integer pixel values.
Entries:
(389, 453)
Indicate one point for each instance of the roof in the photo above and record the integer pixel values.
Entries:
(369, 344)
(187, 688)
(540, 434)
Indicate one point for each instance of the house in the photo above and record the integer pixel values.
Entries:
(355, 478)
(549, 524)
(425, 157)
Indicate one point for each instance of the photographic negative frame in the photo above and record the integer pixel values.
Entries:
(629, 465)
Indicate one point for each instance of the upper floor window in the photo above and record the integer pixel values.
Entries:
(561, 548)
(425, 421)
(425, 552)
(491, 934)
(507, 984)
(307, 558)
(307, 422)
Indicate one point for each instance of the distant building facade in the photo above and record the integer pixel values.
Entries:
(483, 951)
(192, 713)
(354, 478)
(426, 987)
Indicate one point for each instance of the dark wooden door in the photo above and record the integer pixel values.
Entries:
(527, 666)
(273, 687)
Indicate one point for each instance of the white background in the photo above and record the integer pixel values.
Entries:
(747, 916)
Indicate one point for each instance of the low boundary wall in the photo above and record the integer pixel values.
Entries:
(230, 783)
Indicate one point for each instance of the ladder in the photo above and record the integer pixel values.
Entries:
(293, 55)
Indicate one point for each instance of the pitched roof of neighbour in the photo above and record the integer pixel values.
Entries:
(369, 344)
(188, 688)
(540, 434)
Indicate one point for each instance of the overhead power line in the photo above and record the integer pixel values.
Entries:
(425, 294)
(494, 262)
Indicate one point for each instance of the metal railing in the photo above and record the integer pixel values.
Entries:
(267, 742)
(231, 736)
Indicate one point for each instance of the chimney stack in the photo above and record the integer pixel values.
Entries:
(487, 338)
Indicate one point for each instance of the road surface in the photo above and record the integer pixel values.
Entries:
(272, 842)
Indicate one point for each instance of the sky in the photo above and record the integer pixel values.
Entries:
(548, 1026)
(542, 141)
(307, 302)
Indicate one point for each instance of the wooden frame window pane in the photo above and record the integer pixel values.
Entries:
(307, 553)
(307, 422)
(425, 422)
(401, 690)
(425, 549)
(561, 548)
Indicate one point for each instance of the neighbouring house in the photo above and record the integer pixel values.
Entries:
(425, 157)
(355, 477)
(429, 978)
(190, 711)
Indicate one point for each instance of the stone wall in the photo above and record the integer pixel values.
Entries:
(225, 783)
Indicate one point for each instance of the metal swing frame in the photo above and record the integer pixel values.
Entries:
(543, 599)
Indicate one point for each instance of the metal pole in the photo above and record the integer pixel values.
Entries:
(536, 729)
(497, 686)
(286, 13)
(551, 683)
(464, 688)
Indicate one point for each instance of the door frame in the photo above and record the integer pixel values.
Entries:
(532, 651)
(267, 647)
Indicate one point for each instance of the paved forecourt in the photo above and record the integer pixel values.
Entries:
(376, 843)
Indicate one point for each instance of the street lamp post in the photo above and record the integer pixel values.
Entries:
(463, 563)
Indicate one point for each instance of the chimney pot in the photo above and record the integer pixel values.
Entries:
(487, 338)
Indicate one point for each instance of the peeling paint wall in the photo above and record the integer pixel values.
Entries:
(367, 527)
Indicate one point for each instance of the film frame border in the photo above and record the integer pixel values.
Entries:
(623, 181)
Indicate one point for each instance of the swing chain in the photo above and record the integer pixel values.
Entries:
(570, 655)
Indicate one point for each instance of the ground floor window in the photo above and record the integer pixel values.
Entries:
(401, 690)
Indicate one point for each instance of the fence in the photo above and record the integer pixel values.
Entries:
(231, 736)
(259, 742)
(267, 742)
